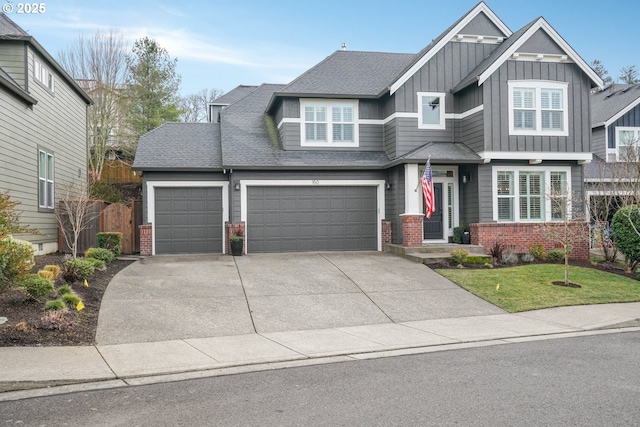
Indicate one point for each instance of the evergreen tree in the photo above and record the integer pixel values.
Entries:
(151, 92)
(629, 75)
(601, 72)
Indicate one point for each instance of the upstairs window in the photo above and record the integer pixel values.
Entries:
(329, 123)
(43, 75)
(45, 179)
(627, 139)
(431, 110)
(538, 108)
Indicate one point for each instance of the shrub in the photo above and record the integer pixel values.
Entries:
(488, 265)
(555, 255)
(111, 241)
(527, 258)
(538, 252)
(496, 251)
(459, 255)
(100, 253)
(57, 318)
(623, 231)
(476, 259)
(70, 299)
(53, 269)
(101, 190)
(98, 264)
(76, 269)
(17, 258)
(509, 257)
(457, 233)
(36, 287)
(56, 304)
(46, 275)
(64, 289)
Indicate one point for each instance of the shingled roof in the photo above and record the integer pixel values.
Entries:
(611, 101)
(180, 146)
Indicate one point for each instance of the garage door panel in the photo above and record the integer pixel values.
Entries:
(295, 218)
(188, 220)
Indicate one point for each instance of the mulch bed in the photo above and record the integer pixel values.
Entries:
(27, 324)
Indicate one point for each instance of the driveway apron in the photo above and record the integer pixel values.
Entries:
(197, 296)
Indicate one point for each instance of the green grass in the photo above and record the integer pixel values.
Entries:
(529, 287)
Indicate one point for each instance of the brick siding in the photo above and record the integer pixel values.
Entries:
(146, 240)
(520, 236)
(386, 233)
(412, 230)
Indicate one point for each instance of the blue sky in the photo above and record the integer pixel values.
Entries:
(223, 43)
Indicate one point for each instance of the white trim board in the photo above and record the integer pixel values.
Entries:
(380, 184)
(151, 202)
(621, 113)
(534, 156)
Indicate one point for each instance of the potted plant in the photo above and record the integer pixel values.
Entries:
(237, 242)
(458, 233)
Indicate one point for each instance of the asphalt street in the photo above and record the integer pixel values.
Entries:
(582, 381)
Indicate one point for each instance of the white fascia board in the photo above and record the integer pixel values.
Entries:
(481, 7)
(622, 112)
(544, 25)
(534, 155)
(151, 202)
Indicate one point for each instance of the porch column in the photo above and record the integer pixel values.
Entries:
(412, 230)
(411, 191)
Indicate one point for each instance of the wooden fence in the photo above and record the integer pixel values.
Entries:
(119, 172)
(109, 217)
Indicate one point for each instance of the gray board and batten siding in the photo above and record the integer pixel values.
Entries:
(630, 119)
(496, 108)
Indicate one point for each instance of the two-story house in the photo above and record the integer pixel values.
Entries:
(333, 160)
(42, 131)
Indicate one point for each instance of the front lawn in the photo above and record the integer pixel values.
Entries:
(529, 287)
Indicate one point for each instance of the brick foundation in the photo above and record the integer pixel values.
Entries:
(234, 229)
(412, 230)
(520, 236)
(146, 240)
(386, 233)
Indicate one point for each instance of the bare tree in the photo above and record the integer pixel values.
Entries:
(629, 75)
(602, 72)
(75, 212)
(194, 106)
(98, 63)
(568, 227)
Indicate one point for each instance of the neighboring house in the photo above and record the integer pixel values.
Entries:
(612, 179)
(333, 160)
(42, 131)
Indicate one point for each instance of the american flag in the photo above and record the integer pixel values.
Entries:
(427, 191)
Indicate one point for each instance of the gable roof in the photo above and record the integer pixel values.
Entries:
(180, 146)
(499, 56)
(613, 102)
(9, 30)
(249, 140)
(434, 47)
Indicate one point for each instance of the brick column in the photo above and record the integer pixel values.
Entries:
(234, 229)
(146, 240)
(386, 233)
(412, 230)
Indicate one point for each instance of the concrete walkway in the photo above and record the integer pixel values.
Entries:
(125, 363)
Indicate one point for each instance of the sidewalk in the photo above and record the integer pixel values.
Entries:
(117, 365)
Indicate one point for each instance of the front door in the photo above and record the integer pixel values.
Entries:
(433, 227)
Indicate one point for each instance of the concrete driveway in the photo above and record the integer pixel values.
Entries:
(197, 296)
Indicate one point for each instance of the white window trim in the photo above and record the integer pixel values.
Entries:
(538, 85)
(49, 204)
(547, 184)
(329, 103)
(42, 74)
(442, 123)
(619, 129)
(379, 184)
(151, 202)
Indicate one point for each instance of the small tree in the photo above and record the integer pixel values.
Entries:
(568, 227)
(625, 229)
(629, 75)
(602, 72)
(75, 212)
